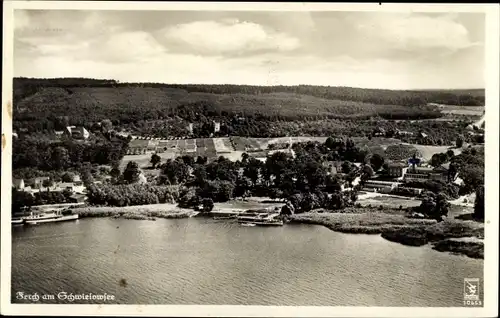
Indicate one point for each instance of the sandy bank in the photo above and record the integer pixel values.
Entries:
(169, 211)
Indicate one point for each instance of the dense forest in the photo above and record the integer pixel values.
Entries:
(63, 154)
(472, 97)
(166, 110)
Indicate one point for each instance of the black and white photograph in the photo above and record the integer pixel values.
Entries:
(260, 155)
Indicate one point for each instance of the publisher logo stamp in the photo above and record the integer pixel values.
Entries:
(471, 289)
(471, 292)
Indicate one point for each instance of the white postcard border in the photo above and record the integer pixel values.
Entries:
(490, 281)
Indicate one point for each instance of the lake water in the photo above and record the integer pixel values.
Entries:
(208, 262)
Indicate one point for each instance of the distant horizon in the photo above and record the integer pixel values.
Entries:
(372, 50)
(230, 84)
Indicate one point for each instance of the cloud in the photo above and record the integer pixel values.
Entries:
(384, 50)
(228, 36)
(415, 31)
(113, 48)
(129, 46)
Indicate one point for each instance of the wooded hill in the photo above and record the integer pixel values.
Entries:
(37, 102)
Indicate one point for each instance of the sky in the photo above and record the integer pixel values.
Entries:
(336, 48)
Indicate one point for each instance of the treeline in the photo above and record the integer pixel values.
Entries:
(130, 194)
(470, 166)
(376, 96)
(60, 155)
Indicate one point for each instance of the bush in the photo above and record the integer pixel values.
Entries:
(208, 204)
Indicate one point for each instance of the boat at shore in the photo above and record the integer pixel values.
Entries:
(48, 217)
(231, 217)
(17, 221)
(261, 219)
(247, 224)
(270, 223)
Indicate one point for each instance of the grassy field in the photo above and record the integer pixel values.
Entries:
(234, 147)
(462, 110)
(366, 221)
(389, 201)
(144, 160)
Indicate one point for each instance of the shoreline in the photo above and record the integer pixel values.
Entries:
(454, 236)
(136, 212)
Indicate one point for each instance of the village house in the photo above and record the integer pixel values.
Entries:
(380, 186)
(441, 173)
(78, 198)
(423, 137)
(397, 170)
(37, 182)
(379, 132)
(59, 133)
(216, 126)
(332, 167)
(18, 184)
(403, 133)
(77, 132)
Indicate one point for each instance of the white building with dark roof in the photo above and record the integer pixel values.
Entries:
(77, 132)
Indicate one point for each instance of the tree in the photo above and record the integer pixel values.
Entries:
(208, 204)
(131, 172)
(337, 201)
(473, 178)
(176, 171)
(155, 160)
(367, 172)
(242, 187)
(106, 125)
(376, 161)
(218, 190)
(201, 160)
(479, 204)
(435, 205)
(60, 158)
(21, 199)
(333, 184)
(309, 202)
(438, 159)
(459, 142)
(252, 169)
(189, 198)
(188, 160)
(115, 171)
(347, 166)
(68, 177)
(287, 209)
(47, 183)
(244, 157)
(330, 143)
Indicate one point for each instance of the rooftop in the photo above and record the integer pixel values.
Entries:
(397, 165)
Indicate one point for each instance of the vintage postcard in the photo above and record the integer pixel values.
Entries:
(250, 159)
